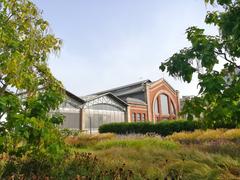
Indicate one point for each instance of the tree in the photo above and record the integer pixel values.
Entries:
(219, 96)
(28, 90)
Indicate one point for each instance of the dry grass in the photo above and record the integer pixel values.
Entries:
(150, 161)
(211, 154)
(85, 140)
(205, 157)
(200, 136)
(233, 134)
(220, 141)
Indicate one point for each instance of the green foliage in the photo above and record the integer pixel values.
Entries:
(219, 95)
(28, 90)
(163, 128)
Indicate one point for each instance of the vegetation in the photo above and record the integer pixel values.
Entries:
(85, 140)
(163, 128)
(206, 135)
(141, 157)
(221, 141)
(219, 96)
(28, 90)
(31, 147)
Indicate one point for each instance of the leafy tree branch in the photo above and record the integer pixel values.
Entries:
(219, 95)
(28, 90)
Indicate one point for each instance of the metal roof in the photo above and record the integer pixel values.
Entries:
(68, 93)
(92, 97)
(123, 88)
(135, 101)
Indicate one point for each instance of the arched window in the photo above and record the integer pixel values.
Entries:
(164, 104)
(138, 117)
(163, 107)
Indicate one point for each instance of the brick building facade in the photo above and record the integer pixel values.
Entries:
(137, 102)
(148, 100)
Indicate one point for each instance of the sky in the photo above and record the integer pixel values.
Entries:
(110, 43)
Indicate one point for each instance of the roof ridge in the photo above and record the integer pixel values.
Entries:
(120, 87)
(106, 94)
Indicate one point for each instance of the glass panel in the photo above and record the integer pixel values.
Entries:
(164, 104)
(71, 120)
(105, 107)
(133, 116)
(95, 118)
(156, 107)
(143, 116)
(138, 117)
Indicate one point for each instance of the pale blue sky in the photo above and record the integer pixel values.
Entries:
(108, 43)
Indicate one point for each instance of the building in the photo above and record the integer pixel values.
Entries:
(136, 102)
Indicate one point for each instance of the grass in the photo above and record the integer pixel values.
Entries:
(211, 154)
(86, 140)
(179, 156)
(200, 136)
(137, 144)
(220, 141)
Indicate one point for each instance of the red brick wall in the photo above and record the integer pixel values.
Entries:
(154, 90)
(137, 109)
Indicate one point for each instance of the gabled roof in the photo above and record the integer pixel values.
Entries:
(92, 97)
(130, 91)
(163, 80)
(126, 89)
(73, 96)
(135, 101)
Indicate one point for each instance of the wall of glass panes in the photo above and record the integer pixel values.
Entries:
(98, 114)
(163, 105)
(71, 120)
(71, 112)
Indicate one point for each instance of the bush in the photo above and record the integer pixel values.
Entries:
(163, 128)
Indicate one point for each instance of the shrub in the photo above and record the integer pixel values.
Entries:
(69, 132)
(163, 128)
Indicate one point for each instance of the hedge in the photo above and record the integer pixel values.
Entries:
(163, 128)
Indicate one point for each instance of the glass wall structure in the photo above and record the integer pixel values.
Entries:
(91, 113)
(71, 120)
(70, 109)
(102, 110)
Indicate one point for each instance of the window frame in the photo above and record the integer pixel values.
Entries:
(138, 117)
(133, 116)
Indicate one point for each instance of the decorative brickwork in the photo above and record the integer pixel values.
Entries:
(153, 93)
